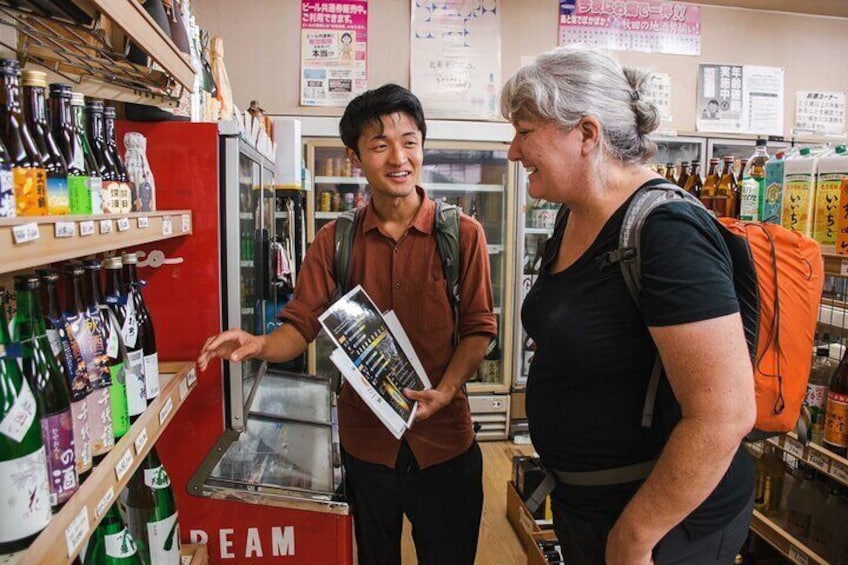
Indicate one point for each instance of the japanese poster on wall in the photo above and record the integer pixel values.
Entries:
(651, 26)
(455, 51)
(740, 99)
(659, 92)
(820, 113)
(333, 51)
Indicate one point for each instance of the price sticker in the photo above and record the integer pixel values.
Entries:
(143, 222)
(64, 229)
(794, 447)
(185, 223)
(77, 530)
(123, 224)
(105, 226)
(819, 461)
(141, 441)
(797, 556)
(104, 504)
(86, 228)
(124, 464)
(25, 233)
(166, 410)
(843, 267)
(167, 228)
(191, 377)
(839, 471)
(183, 390)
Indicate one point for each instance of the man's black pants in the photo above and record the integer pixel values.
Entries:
(443, 503)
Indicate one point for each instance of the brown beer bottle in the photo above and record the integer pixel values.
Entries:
(708, 190)
(694, 183)
(684, 174)
(669, 173)
(727, 191)
(836, 421)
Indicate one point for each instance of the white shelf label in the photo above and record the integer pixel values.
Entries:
(104, 504)
(843, 267)
(167, 228)
(191, 377)
(123, 224)
(143, 222)
(141, 441)
(185, 223)
(183, 390)
(86, 228)
(25, 232)
(77, 530)
(65, 229)
(105, 226)
(166, 410)
(124, 464)
(797, 556)
(794, 447)
(819, 461)
(839, 471)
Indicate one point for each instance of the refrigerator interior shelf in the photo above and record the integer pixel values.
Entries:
(362, 181)
(327, 215)
(456, 187)
(246, 264)
(495, 249)
(37, 240)
(786, 544)
(539, 231)
(178, 381)
(245, 216)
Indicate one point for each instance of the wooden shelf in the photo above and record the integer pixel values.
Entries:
(63, 538)
(786, 544)
(104, 233)
(815, 456)
(194, 554)
(834, 264)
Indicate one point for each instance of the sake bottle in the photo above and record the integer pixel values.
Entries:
(152, 513)
(111, 543)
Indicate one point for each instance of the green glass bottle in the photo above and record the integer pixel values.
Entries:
(47, 379)
(92, 173)
(70, 146)
(25, 504)
(111, 543)
(152, 513)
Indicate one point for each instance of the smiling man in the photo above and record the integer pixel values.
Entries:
(433, 475)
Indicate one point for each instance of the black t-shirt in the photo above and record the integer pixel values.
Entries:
(587, 383)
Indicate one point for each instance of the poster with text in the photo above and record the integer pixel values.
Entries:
(651, 26)
(740, 99)
(820, 113)
(333, 51)
(455, 52)
(658, 91)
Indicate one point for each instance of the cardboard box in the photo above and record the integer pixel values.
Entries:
(534, 554)
(522, 521)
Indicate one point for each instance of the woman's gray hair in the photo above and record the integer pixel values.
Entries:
(566, 84)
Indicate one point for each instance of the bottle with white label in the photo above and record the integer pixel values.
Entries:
(152, 513)
(148, 336)
(112, 543)
(25, 504)
(753, 182)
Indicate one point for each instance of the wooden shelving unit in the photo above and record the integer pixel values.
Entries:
(779, 539)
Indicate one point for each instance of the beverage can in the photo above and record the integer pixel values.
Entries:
(337, 202)
(325, 201)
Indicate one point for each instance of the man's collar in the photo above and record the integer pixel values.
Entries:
(423, 220)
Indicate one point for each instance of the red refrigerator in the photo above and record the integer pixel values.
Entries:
(253, 453)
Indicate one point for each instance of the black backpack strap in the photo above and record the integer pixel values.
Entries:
(647, 199)
(346, 225)
(447, 240)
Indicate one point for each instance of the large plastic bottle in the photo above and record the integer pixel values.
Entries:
(772, 202)
(752, 181)
(799, 191)
(831, 173)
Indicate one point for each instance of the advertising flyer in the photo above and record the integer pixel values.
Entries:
(375, 357)
(651, 26)
(333, 51)
(740, 99)
(456, 65)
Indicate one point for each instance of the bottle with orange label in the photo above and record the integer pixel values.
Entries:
(832, 172)
(28, 174)
(836, 419)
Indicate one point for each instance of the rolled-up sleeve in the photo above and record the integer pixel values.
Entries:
(475, 293)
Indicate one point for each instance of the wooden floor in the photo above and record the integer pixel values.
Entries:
(498, 542)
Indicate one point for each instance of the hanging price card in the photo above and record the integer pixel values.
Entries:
(191, 377)
(124, 464)
(797, 556)
(839, 472)
(185, 223)
(794, 447)
(843, 267)
(86, 228)
(105, 226)
(819, 461)
(105, 503)
(77, 530)
(123, 224)
(167, 228)
(25, 232)
(141, 441)
(143, 222)
(166, 410)
(64, 229)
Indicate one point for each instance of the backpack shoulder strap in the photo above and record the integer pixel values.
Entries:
(346, 225)
(447, 240)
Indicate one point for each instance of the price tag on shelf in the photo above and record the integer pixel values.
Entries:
(818, 461)
(166, 410)
(77, 530)
(794, 447)
(64, 229)
(25, 232)
(123, 224)
(104, 504)
(183, 390)
(124, 464)
(191, 377)
(185, 223)
(843, 267)
(143, 222)
(797, 556)
(86, 228)
(141, 441)
(105, 226)
(839, 471)
(167, 228)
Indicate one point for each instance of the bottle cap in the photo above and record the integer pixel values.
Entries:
(94, 105)
(113, 263)
(57, 89)
(74, 268)
(77, 99)
(48, 274)
(9, 65)
(129, 258)
(28, 281)
(91, 264)
(761, 142)
(805, 151)
(840, 149)
(110, 112)
(34, 78)
(779, 155)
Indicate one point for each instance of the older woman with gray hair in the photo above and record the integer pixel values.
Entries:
(678, 488)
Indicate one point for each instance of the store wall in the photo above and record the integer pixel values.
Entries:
(262, 49)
